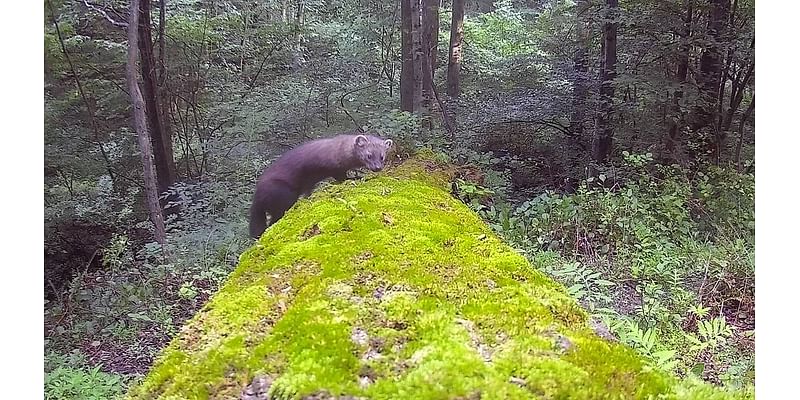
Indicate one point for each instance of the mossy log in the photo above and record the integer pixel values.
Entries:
(389, 288)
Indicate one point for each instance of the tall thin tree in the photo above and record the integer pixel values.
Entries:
(158, 123)
(581, 68)
(604, 131)
(711, 66)
(430, 34)
(747, 113)
(455, 51)
(140, 125)
(676, 116)
(163, 93)
(419, 54)
(407, 55)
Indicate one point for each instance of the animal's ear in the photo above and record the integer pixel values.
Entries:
(361, 140)
(388, 143)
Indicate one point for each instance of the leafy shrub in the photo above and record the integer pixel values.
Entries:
(726, 203)
(68, 377)
(84, 384)
(650, 254)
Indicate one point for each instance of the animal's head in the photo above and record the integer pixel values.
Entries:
(371, 150)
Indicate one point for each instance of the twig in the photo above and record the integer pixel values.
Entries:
(67, 301)
(105, 14)
(341, 101)
(274, 47)
(552, 124)
(447, 126)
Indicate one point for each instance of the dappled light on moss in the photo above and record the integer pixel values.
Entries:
(389, 288)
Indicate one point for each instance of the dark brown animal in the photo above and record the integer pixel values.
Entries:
(297, 171)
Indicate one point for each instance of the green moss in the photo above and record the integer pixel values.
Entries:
(389, 288)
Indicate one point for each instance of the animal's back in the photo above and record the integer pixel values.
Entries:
(306, 165)
(298, 170)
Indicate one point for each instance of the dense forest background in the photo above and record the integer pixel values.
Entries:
(612, 141)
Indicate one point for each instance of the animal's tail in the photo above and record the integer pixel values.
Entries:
(273, 197)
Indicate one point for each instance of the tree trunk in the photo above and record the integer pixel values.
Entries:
(430, 31)
(407, 54)
(297, 55)
(746, 115)
(434, 41)
(164, 98)
(738, 86)
(581, 68)
(604, 131)
(419, 54)
(721, 125)
(676, 116)
(243, 43)
(140, 125)
(160, 135)
(455, 52)
(711, 67)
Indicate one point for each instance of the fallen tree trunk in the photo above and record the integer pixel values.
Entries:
(392, 289)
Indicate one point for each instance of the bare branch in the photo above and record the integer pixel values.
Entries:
(341, 101)
(105, 14)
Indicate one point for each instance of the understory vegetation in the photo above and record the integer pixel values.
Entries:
(665, 260)
(656, 240)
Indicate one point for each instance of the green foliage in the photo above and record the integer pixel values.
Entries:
(584, 283)
(117, 254)
(408, 289)
(711, 334)
(68, 377)
(402, 126)
(498, 44)
(726, 200)
(645, 233)
(243, 84)
(84, 384)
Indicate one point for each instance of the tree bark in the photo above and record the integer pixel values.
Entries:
(407, 54)
(430, 33)
(140, 125)
(738, 86)
(581, 68)
(711, 67)
(419, 53)
(676, 116)
(455, 51)
(750, 109)
(164, 98)
(434, 40)
(604, 131)
(300, 17)
(159, 130)
(243, 43)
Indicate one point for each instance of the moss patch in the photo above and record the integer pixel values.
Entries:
(391, 289)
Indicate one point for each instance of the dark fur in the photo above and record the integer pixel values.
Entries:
(297, 171)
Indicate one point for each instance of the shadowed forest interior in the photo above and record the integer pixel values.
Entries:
(614, 138)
